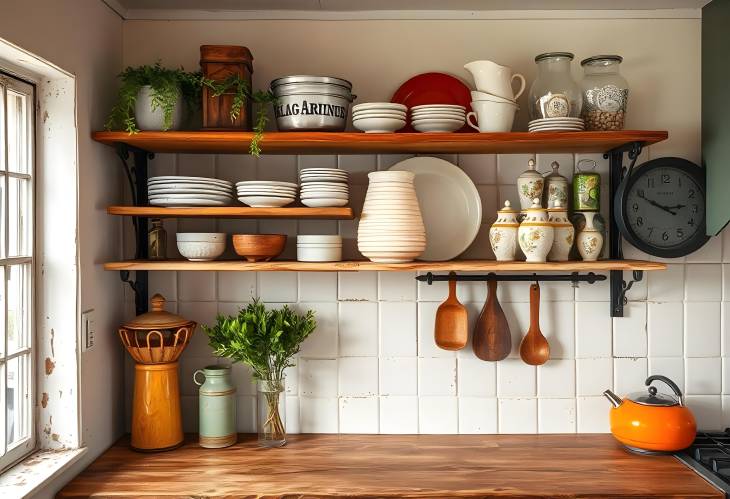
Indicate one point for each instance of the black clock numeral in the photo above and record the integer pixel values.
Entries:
(665, 236)
(650, 182)
(639, 221)
(695, 208)
(635, 207)
(666, 179)
(680, 233)
(691, 194)
(679, 181)
(651, 229)
(691, 222)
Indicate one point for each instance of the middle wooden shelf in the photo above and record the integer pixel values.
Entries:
(301, 212)
(362, 265)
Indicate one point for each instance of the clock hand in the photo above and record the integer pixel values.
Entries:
(677, 206)
(661, 207)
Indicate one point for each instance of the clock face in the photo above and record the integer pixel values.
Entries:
(663, 208)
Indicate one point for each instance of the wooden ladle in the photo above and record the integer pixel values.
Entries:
(451, 330)
(492, 339)
(534, 349)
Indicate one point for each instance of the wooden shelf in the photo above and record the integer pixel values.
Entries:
(300, 212)
(362, 143)
(354, 266)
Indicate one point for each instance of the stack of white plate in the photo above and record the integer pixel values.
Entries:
(266, 193)
(324, 187)
(315, 248)
(556, 125)
(438, 117)
(172, 191)
(391, 228)
(379, 117)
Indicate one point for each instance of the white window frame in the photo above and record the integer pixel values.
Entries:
(12, 453)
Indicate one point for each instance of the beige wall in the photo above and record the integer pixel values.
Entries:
(662, 56)
(84, 38)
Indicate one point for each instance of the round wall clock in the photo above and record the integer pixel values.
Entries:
(660, 207)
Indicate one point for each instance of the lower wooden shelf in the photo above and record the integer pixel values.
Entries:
(354, 266)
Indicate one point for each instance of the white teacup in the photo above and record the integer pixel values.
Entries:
(494, 79)
(492, 116)
(476, 95)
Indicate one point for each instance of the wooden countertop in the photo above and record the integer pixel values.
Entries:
(392, 466)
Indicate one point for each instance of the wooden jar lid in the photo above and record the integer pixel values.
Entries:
(157, 317)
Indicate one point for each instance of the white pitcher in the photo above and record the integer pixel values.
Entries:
(494, 79)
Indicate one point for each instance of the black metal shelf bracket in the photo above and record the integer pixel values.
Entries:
(137, 174)
(574, 277)
(617, 172)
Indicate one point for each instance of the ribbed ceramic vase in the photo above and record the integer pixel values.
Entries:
(391, 228)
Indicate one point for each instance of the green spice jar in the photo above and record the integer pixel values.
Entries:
(586, 188)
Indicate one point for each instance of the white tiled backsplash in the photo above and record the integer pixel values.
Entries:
(372, 365)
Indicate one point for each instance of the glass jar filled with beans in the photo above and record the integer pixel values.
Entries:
(605, 93)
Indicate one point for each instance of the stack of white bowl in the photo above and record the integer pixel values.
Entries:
(379, 117)
(201, 246)
(324, 187)
(316, 248)
(174, 190)
(438, 117)
(266, 193)
(391, 228)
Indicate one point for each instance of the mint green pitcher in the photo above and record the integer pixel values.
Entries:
(216, 407)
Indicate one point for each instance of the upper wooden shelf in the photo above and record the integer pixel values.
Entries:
(299, 212)
(363, 143)
(354, 266)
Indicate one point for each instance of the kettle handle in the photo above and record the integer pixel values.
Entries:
(671, 384)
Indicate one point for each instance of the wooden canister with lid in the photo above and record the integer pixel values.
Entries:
(218, 62)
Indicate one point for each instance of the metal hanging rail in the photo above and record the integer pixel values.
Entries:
(573, 277)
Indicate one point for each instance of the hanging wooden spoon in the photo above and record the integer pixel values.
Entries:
(492, 339)
(451, 326)
(534, 349)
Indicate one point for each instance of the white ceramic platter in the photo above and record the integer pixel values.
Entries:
(438, 106)
(450, 206)
(196, 180)
(379, 105)
(271, 183)
(213, 197)
(188, 185)
(181, 203)
(163, 191)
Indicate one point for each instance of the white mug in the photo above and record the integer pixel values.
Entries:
(494, 79)
(492, 116)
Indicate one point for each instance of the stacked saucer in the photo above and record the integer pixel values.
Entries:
(266, 193)
(438, 117)
(316, 248)
(379, 117)
(324, 187)
(391, 228)
(556, 125)
(172, 191)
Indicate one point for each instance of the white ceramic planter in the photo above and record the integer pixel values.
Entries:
(535, 234)
(589, 240)
(503, 234)
(154, 120)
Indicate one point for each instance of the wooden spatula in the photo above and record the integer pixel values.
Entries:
(534, 349)
(492, 339)
(451, 327)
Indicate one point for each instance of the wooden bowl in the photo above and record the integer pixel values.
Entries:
(259, 247)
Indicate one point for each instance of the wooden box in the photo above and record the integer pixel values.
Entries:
(217, 63)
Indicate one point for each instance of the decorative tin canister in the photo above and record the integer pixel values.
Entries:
(586, 188)
(216, 407)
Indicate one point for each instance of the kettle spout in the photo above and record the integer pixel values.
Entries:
(613, 398)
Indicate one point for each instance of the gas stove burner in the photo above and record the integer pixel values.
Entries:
(709, 456)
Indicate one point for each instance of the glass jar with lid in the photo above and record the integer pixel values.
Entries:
(605, 93)
(554, 93)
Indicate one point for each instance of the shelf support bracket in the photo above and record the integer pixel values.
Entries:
(137, 175)
(617, 171)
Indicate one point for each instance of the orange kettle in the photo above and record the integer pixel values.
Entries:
(651, 422)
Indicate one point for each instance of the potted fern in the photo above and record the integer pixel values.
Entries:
(265, 340)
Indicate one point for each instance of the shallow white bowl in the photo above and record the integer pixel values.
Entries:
(201, 237)
(319, 238)
(322, 254)
(270, 183)
(324, 202)
(201, 251)
(438, 106)
(379, 105)
(378, 125)
(439, 126)
(265, 201)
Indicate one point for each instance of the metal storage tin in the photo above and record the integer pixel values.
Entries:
(284, 80)
(217, 407)
(586, 188)
(311, 103)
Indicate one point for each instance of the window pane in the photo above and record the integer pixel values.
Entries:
(3, 419)
(19, 219)
(2, 128)
(18, 398)
(2, 216)
(18, 136)
(18, 308)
